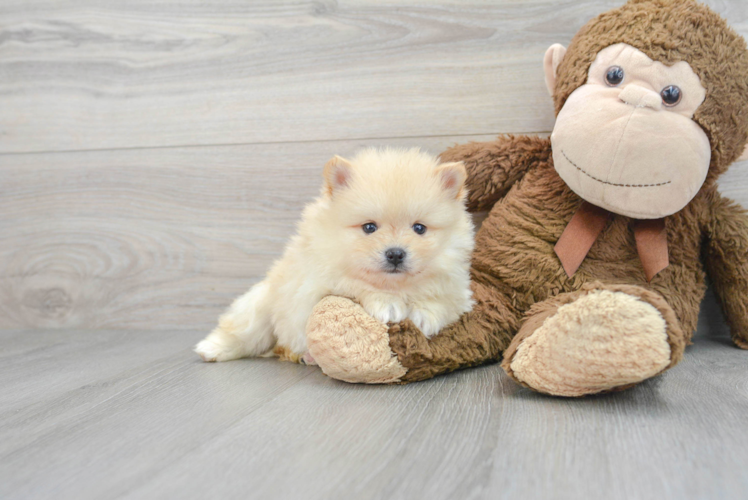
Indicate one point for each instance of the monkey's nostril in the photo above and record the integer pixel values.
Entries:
(395, 256)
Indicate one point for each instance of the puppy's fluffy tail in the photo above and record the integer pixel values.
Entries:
(244, 330)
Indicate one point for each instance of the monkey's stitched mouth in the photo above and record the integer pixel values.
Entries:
(610, 183)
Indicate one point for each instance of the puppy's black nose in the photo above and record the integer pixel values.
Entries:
(395, 256)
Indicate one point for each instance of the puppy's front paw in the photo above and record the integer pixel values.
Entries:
(426, 321)
(386, 312)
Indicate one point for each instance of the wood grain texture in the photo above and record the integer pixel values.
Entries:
(80, 75)
(136, 416)
(156, 239)
(165, 237)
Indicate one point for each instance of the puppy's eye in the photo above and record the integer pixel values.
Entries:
(671, 95)
(614, 76)
(419, 228)
(369, 227)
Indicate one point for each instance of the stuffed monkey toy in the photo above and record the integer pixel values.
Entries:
(589, 271)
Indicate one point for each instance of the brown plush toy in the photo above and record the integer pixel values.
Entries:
(589, 270)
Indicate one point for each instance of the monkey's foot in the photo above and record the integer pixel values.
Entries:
(600, 341)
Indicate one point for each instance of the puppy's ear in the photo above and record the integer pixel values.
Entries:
(452, 176)
(337, 174)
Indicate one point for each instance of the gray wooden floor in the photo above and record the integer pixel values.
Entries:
(127, 414)
(154, 158)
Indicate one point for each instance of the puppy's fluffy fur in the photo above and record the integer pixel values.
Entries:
(360, 239)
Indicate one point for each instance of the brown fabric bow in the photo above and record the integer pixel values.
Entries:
(587, 224)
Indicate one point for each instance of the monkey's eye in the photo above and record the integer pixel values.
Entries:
(369, 227)
(671, 95)
(419, 228)
(614, 76)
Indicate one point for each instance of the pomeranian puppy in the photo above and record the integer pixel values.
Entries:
(389, 230)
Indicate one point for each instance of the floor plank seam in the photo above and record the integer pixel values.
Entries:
(261, 143)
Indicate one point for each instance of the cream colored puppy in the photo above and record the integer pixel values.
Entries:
(389, 230)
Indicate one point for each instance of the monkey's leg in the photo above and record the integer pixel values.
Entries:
(350, 345)
(600, 338)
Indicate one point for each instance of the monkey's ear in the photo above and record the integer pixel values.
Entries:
(337, 174)
(553, 57)
(745, 154)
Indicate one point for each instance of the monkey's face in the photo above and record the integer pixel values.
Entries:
(626, 141)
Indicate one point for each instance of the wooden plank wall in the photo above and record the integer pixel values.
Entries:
(154, 155)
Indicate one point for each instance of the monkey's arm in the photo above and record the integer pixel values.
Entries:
(461, 345)
(478, 337)
(727, 264)
(350, 345)
(494, 166)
